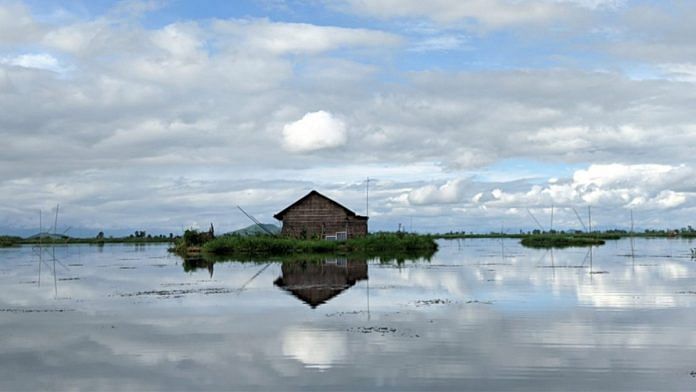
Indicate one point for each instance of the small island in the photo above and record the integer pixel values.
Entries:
(314, 224)
(560, 241)
(371, 245)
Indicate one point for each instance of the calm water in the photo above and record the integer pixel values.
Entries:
(481, 314)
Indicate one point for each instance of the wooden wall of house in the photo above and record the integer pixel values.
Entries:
(316, 217)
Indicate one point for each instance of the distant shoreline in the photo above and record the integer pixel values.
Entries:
(538, 236)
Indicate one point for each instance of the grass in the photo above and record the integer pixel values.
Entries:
(548, 239)
(267, 245)
(390, 244)
(614, 234)
(605, 235)
(7, 241)
(560, 241)
(97, 241)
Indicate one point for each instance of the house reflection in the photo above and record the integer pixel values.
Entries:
(317, 282)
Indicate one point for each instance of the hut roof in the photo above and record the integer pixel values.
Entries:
(282, 213)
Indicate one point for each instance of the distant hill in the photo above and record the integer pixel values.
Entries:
(256, 230)
(50, 236)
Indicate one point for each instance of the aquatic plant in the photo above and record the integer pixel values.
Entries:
(7, 241)
(605, 235)
(560, 241)
(387, 243)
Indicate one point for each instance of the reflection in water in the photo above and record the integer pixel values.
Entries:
(315, 283)
(315, 348)
(194, 263)
(481, 315)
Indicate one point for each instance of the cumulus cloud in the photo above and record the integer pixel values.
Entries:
(194, 113)
(614, 185)
(17, 24)
(645, 187)
(33, 60)
(652, 191)
(485, 13)
(314, 131)
(281, 38)
(441, 42)
(682, 71)
(449, 192)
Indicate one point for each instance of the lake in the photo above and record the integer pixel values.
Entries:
(481, 314)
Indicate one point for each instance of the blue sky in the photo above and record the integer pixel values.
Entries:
(161, 115)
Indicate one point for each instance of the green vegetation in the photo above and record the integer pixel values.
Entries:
(560, 241)
(371, 244)
(614, 234)
(110, 240)
(138, 237)
(7, 241)
(548, 239)
(388, 245)
(463, 235)
(267, 245)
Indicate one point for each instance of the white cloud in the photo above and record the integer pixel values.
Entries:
(482, 13)
(685, 72)
(16, 24)
(181, 40)
(77, 38)
(441, 42)
(293, 38)
(619, 175)
(670, 199)
(199, 102)
(33, 60)
(644, 186)
(449, 192)
(314, 131)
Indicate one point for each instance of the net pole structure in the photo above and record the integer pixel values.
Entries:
(55, 222)
(633, 250)
(551, 217)
(40, 245)
(580, 219)
(255, 221)
(535, 219)
(367, 197)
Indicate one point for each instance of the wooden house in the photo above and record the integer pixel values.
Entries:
(317, 216)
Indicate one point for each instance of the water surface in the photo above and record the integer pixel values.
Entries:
(481, 314)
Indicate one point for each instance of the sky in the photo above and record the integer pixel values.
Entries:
(466, 115)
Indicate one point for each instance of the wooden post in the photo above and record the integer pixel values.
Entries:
(633, 251)
(551, 217)
(367, 197)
